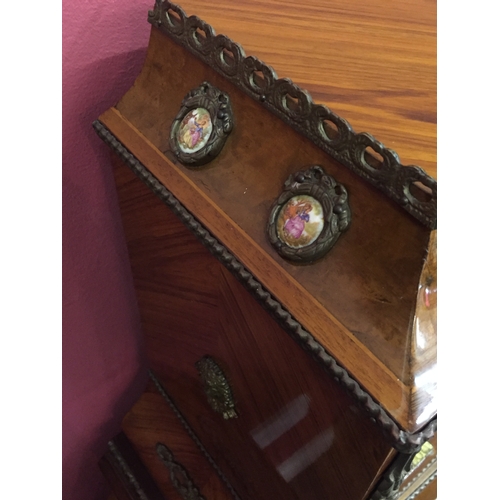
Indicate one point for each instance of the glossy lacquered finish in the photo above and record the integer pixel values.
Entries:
(297, 433)
(150, 423)
(261, 407)
(359, 300)
(424, 340)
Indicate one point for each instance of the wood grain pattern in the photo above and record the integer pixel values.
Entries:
(371, 61)
(367, 286)
(369, 283)
(371, 302)
(151, 421)
(192, 306)
(375, 377)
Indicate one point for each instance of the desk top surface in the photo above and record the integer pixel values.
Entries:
(373, 62)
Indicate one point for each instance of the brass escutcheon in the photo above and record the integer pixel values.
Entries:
(217, 388)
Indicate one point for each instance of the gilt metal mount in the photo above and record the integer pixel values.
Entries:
(309, 216)
(201, 127)
(217, 388)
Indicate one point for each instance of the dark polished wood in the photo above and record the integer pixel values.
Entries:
(152, 421)
(369, 281)
(384, 385)
(126, 474)
(191, 306)
(359, 300)
(261, 409)
(364, 290)
(423, 355)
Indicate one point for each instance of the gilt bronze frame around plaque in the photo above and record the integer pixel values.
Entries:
(208, 100)
(321, 190)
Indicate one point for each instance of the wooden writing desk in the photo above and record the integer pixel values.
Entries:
(287, 381)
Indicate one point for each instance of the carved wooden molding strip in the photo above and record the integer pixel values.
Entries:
(399, 439)
(178, 475)
(192, 435)
(409, 186)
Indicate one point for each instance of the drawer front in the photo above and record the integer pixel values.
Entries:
(296, 433)
(177, 466)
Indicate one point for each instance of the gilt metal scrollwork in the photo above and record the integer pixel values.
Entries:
(178, 475)
(217, 388)
(201, 127)
(309, 216)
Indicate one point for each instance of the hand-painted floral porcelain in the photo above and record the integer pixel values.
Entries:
(194, 131)
(300, 221)
(200, 129)
(309, 216)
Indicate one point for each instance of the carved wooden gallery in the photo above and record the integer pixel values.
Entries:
(284, 262)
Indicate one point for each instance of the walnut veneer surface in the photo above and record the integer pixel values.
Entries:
(152, 422)
(291, 415)
(360, 299)
(370, 303)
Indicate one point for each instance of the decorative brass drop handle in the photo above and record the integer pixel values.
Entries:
(217, 388)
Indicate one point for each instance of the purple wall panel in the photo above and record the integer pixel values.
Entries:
(104, 372)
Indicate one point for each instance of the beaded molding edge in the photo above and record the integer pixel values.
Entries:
(129, 475)
(179, 476)
(398, 182)
(192, 435)
(399, 439)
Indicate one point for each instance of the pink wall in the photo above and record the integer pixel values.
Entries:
(104, 46)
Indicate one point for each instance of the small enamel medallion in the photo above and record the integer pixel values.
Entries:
(300, 221)
(194, 130)
(309, 216)
(201, 127)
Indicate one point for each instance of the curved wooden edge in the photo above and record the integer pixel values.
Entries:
(374, 376)
(424, 342)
